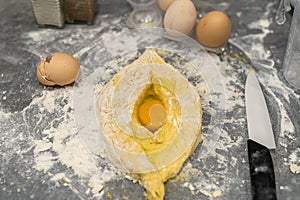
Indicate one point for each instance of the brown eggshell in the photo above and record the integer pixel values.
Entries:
(213, 29)
(164, 4)
(58, 69)
(40, 73)
(181, 16)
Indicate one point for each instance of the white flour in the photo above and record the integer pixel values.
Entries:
(62, 144)
(269, 78)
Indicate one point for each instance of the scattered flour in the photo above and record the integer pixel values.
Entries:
(294, 161)
(62, 144)
(295, 168)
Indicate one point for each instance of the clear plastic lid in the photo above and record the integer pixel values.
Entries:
(109, 55)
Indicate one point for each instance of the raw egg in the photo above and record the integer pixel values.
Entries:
(58, 69)
(181, 16)
(164, 4)
(213, 29)
(152, 114)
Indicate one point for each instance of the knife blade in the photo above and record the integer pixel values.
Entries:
(261, 139)
(258, 119)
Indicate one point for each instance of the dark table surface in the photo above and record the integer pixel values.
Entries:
(43, 157)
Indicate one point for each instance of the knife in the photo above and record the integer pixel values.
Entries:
(261, 139)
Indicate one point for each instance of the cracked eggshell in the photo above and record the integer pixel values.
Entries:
(181, 16)
(58, 69)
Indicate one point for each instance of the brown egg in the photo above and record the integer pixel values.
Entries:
(164, 4)
(213, 30)
(58, 69)
(181, 16)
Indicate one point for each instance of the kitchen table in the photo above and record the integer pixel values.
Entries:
(43, 156)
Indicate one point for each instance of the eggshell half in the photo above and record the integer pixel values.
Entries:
(58, 69)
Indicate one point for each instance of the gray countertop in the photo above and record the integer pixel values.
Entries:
(42, 153)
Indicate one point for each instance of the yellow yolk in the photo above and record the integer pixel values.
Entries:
(152, 114)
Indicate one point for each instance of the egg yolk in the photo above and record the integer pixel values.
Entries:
(152, 114)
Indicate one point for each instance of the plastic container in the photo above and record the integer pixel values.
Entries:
(291, 64)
